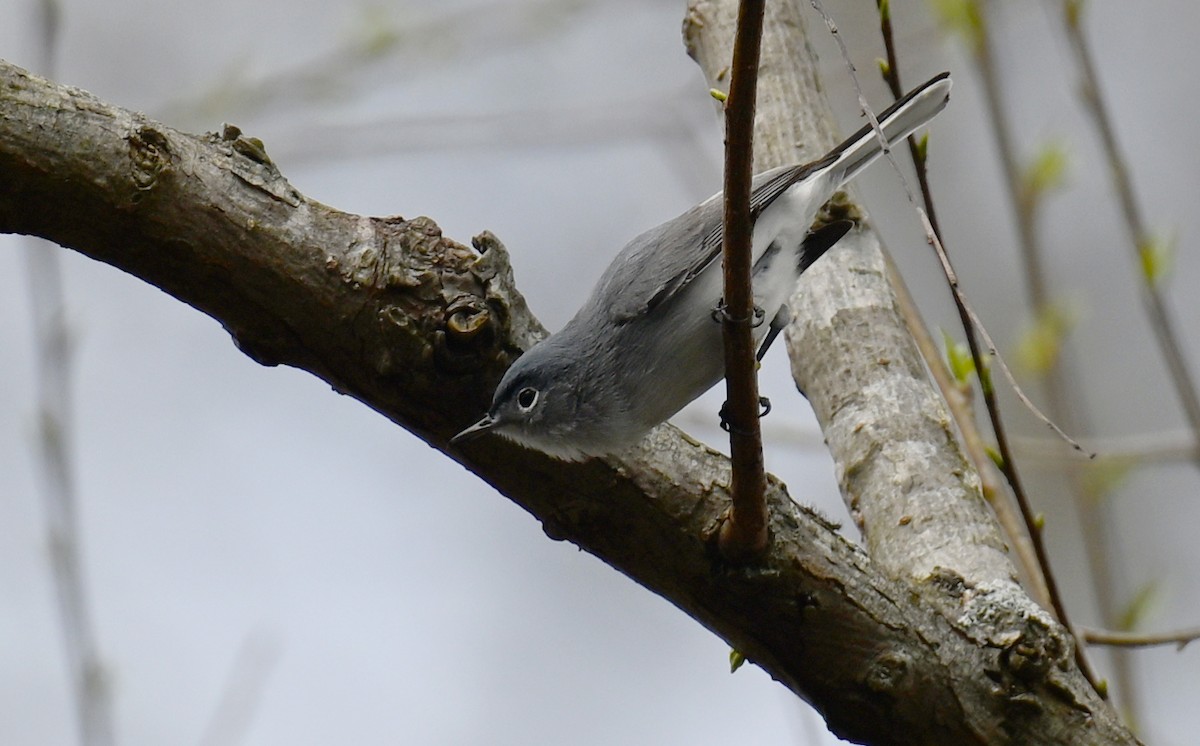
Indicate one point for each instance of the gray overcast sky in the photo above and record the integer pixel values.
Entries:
(248, 522)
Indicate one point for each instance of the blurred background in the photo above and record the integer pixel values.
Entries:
(265, 562)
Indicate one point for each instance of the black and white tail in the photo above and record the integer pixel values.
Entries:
(898, 121)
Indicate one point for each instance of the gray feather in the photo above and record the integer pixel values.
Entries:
(647, 274)
(661, 262)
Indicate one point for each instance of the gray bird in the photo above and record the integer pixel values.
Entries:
(645, 343)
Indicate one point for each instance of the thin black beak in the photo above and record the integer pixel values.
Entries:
(474, 431)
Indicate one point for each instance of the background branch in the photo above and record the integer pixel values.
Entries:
(53, 371)
(1179, 638)
(1092, 515)
(1141, 243)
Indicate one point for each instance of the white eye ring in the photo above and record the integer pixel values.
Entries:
(526, 398)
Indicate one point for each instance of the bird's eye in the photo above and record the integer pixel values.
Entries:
(526, 398)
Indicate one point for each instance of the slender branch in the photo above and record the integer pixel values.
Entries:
(1179, 638)
(1140, 240)
(51, 340)
(743, 535)
(1136, 450)
(655, 116)
(401, 42)
(53, 360)
(891, 76)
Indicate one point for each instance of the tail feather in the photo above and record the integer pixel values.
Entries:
(898, 121)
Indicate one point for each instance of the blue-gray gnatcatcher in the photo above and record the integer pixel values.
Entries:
(645, 343)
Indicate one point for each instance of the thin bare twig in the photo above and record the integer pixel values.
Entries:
(1136, 450)
(1140, 240)
(1179, 638)
(658, 116)
(53, 367)
(995, 355)
(743, 535)
(91, 699)
(404, 44)
(891, 76)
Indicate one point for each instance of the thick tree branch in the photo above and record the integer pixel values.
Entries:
(420, 328)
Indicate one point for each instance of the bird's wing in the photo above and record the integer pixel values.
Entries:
(664, 260)
(661, 262)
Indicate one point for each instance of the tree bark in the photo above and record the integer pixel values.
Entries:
(420, 328)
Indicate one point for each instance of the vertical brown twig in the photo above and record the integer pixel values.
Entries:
(743, 535)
